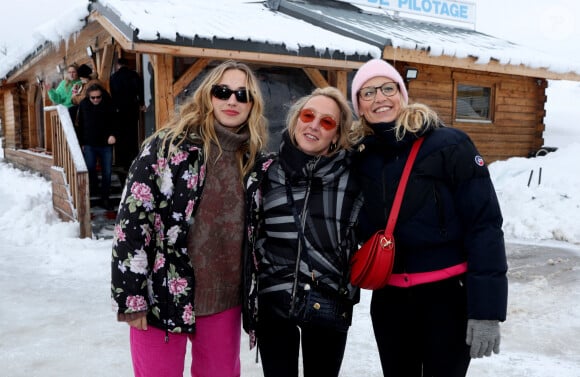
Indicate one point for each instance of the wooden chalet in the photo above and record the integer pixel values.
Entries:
(314, 43)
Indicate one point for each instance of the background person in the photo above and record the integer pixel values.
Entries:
(79, 91)
(85, 74)
(448, 291)
(177, 256)
(96, 131)
(126, 89)
(302, 220)
(62, 94)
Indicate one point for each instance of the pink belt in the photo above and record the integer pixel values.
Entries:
(409, 280)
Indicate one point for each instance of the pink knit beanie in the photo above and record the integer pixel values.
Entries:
(375, 68)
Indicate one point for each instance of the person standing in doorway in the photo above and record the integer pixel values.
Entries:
(127, 93)
(96, 131)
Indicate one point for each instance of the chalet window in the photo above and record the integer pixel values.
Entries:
(473, 103)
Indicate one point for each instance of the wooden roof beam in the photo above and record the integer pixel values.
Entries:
(189, 75)
(316, 77)
(247, 56)
(125, 42)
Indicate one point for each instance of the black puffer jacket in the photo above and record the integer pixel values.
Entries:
(450, 213)
(96, 122)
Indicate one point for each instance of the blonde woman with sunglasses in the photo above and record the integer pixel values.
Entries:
(301, 236)
(177, 254)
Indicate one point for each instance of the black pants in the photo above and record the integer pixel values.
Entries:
(279, 343)
(420, 331)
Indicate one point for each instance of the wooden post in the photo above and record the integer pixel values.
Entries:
(316, 77)
(106, 65)
(33, 137)
(164, 97)
(339, 80)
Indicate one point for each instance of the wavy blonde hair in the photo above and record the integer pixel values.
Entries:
(196, 117)
(347, 135)
(413, 118)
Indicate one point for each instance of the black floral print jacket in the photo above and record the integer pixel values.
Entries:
(151, 270)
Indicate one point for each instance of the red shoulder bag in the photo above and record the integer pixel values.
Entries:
(371, 266)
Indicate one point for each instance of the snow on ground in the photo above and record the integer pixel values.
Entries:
(56, 318)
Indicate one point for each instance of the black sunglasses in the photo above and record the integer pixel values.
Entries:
(224, 93)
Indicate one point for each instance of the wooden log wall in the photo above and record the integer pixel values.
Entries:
(11, 121)
(26, 133)
(517, 108)
(2, 121)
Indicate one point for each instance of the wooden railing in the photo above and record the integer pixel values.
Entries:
(68, 163)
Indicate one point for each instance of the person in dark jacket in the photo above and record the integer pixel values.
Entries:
(97, 135)
(302, 235)
(126, 90)
(448, 292)
(177, 254)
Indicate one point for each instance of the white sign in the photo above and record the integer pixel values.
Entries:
(454, 10)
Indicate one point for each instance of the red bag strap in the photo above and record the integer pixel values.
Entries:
(401, 188)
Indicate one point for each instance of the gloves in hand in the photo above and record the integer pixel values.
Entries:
(483, 337)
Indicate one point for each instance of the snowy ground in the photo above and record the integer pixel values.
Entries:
(56, 318)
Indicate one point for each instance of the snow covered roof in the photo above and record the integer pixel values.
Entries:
(435, 38)
(216, 24)
(54, 30)
(328, 29)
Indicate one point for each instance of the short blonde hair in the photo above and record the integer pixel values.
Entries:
(346, 135)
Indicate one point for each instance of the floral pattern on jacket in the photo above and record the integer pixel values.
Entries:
(151, 270)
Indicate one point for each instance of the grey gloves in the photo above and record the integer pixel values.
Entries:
(483, 337)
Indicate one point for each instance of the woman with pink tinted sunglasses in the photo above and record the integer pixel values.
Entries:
(301, 236)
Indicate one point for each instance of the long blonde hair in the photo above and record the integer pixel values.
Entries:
(347, 136)
(196, 117)
(413, 118)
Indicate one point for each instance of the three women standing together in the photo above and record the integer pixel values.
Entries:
(179, 270)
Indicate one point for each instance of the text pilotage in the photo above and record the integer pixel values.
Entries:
(456, 10)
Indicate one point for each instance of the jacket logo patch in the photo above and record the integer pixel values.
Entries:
(479, 160)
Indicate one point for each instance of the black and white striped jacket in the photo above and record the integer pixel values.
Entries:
(327, 201)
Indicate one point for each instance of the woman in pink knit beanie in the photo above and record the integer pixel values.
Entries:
(447, 295)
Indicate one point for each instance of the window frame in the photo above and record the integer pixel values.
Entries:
(471, 80)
